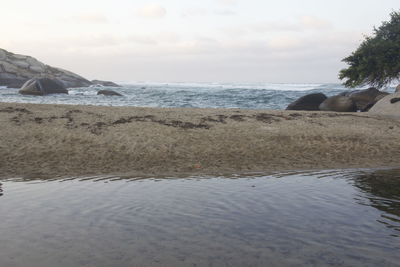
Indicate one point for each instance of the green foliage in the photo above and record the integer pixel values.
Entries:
(377, 60)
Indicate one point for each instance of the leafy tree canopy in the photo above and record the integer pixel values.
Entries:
(377, 60)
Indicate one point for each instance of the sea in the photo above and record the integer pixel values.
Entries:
(186, 95)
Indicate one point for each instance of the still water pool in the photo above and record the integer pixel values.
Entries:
(325, 218)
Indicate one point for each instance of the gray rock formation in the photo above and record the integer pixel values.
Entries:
(15, 70)
(43, 86)
(105, 83)
(308, 102)
(365, 99)
(398, 89)
(108, 93)
(338, 104)
(388, 106)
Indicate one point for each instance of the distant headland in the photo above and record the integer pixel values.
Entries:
(16, 69)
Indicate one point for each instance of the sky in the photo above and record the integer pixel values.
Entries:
(285, 41)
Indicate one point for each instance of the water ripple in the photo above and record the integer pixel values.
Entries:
(332, 217)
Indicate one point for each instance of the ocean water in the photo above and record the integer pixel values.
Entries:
(191, 95)
(320, 218)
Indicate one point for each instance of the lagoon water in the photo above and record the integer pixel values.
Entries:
(320, 218)
(194, 95)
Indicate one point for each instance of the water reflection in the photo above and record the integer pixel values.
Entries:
(334, 217)
(382, 188)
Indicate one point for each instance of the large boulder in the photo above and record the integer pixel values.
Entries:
(16, 69)
(364, 99)
(308, 102)
(398, 88)
(105, 83)
(108, 93)
(388, 106)
(338, 104)
(43, 86)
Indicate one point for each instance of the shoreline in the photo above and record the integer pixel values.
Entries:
(73, 140)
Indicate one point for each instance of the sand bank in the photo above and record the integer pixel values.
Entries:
(81, 140)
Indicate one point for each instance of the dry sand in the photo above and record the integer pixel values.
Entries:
(69, 140)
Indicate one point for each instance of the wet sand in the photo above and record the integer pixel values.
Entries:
(66, 140)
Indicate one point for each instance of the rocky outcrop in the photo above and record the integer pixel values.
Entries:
(388, 106)
(16, 69)
(398, 89)
(43, 86)
(339, 104)
(365, 99)
(349, 101)
(108, 93)
(105, 83)
(308, 102)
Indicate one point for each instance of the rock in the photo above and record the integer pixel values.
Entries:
(366, 98)
(3, 54)
(108, 93)
(347, 93)
(12, 80)
(388, 106)
(308, 102)
(105, 83)
(15, 84)
(37, 69)
(8, 67)
(21, 64)
(398, 89)
(394, 100)
(24, 68)
(371, 104)
(339, 104)
(43, 86)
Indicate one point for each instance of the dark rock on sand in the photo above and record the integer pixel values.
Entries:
(365, 99)
(108, 93)
(395, 100)
(16, 69)
(339, 104)
(105, 83)
(308, 102)
(379, 97)
(43, 86)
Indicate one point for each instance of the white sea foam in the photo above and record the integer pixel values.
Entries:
(252, 86)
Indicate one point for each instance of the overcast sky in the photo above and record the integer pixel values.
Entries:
(283, 41)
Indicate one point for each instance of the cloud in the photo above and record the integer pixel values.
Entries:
(140, 39)
(227, 2)
(263, 27)
(201, 12)
(151, 39)
(225, 12)
(87, 18)
(168, 37)
(90, 41)
(193, 12)
(285, 43)
(300, 25)
(151, 11)
(312, 22)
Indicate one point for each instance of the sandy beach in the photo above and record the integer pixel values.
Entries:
(69, 140)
